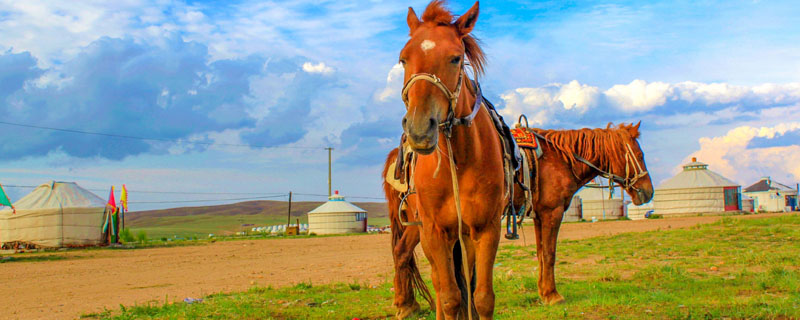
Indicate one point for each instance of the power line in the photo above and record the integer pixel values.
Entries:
(113, 135)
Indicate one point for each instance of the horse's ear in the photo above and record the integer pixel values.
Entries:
(413, 21)
(634, 129)
(466, 22)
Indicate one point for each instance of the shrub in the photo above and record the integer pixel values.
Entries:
(126, 235)
(141, 236)
(655, 216)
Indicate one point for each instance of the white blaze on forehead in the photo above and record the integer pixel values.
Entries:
(427, 45)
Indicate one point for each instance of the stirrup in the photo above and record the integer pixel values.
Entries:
(400, 209)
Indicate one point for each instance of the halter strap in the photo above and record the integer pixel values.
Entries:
(452, 97)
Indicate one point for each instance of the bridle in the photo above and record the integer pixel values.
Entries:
(452, 98)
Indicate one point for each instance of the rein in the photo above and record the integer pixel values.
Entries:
(631, 162)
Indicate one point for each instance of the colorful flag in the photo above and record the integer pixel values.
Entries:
(111, 202)
(123, 199)
(4, 199)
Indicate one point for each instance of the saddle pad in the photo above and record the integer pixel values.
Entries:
(526, 139)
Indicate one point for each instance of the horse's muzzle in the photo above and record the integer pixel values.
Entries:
(422, 137)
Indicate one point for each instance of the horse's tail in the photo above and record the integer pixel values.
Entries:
(461, 281)
(413, 279)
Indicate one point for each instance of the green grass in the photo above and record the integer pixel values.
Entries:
(730, 269)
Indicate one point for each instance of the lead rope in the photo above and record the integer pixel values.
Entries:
(464, 258)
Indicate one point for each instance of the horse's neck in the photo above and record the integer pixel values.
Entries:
(582, 172)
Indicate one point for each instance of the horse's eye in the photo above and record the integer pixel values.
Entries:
(455, 60)
(403, 62)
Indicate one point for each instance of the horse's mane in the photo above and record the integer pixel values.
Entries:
(605, 147)
(437, 12)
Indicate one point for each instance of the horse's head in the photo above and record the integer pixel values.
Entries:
(631, 166)
(435, 54)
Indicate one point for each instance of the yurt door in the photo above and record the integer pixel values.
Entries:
(732, 199)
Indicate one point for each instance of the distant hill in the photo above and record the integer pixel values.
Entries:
(230, 218)
(261, 207)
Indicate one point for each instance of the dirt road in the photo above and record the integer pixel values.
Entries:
(89, 281)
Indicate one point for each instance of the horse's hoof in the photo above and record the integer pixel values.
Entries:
(553, 299)
(405, 312)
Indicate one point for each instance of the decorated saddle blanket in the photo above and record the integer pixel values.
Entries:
(527, 140)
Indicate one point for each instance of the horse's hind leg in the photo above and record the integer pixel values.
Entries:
(548, 228)
(406, 273)
(485, 252)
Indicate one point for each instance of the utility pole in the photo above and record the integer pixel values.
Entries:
(329, 170)
(289, 220)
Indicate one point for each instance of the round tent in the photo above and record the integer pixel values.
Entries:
(55, 214)
(638, 212)
(696, 190)
(595, 202)
(337, 216)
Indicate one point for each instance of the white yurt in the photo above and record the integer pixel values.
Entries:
(772, 196)
(596, 203)
(573, 213)
(639, 212)
(337, 216)
(696, 190)
(55, 214)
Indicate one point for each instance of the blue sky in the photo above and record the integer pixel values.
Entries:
(712, 79)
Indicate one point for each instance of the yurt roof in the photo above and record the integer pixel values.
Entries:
(696, 175)
(57, 194)
(591, 192)
(767, 184)
(337, 204)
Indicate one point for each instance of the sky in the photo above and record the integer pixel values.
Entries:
(240, 98)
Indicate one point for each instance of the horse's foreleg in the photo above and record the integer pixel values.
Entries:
(547, 236)
(485, 252)
(406, 273)
(439, 251)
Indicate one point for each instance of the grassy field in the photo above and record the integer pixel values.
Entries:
(731, 269)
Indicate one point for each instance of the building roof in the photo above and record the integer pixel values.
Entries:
(337, 204)
(56, 194)
(767, 184)
(696, 175)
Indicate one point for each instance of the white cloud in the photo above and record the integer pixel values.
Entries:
(730, 156)
(394, 83)
(543, 103)
(317, 68)
(639, 95)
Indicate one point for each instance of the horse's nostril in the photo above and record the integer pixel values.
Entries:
(432, 122)
(405, 120)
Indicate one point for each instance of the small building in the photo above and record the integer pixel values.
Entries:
(596, 203)
(337, 216)
(697, 190)
(55, 214)
(772, 196)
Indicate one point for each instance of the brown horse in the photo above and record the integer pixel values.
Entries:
(560, 176)
(460, 213)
